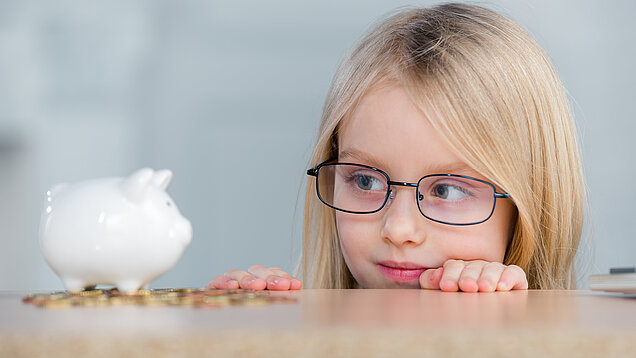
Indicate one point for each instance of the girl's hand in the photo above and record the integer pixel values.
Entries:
(474, 276)
(257, 277)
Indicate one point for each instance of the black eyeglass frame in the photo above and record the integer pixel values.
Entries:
(315, 170)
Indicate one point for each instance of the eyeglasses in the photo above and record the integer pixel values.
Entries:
(444, 198)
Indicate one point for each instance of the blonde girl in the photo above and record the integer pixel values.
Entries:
(446, 159)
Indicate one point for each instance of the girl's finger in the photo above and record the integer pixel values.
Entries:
(468, 278)
(512, 278)
(429, 279)
(246, 280)
(490, 275)
(294, 283)
(278, 271)
(260, 271)
(223, 282)
(450, 276)
(274, 281)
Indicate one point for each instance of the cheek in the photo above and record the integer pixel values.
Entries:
(357, 234)
(489, 240)
(486, 241)
(354, 232)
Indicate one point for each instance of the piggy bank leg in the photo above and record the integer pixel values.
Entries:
(128, 285)
(73, 284)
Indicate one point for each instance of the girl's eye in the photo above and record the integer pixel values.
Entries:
(449, 192)
(366, 182)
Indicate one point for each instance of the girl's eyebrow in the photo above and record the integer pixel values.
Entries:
(359, 157)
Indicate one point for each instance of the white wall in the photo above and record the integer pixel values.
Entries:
(228, 95)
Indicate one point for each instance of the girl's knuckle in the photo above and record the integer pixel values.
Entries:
(476, 264)
(515, 268)
(453, 262)
(231, 272)
(494, 265)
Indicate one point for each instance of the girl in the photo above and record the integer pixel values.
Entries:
(446, 159)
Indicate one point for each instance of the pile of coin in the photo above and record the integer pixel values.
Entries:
(193, 297)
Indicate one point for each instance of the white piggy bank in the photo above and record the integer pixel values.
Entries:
(113, 231)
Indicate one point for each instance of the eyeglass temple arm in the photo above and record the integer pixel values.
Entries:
(311, 172)
(500, 195)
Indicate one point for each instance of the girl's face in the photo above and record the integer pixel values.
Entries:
(388, 132)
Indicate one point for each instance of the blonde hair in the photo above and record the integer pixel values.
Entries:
(496, 100)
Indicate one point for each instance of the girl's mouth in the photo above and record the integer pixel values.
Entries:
(401, 271)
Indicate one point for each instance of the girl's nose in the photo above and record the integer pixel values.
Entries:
(403, 222)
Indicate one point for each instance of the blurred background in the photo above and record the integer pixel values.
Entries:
(228, 95)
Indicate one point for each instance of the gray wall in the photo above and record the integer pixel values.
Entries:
(228, 95)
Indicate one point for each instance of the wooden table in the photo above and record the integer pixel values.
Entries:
(335, 323)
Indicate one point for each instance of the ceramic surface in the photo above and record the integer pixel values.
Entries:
(113, 231)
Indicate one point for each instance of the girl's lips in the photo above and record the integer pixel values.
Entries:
(401, 271)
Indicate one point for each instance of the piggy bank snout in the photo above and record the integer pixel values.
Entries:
(183, 231)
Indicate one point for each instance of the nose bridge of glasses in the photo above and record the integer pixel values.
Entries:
(399, 183)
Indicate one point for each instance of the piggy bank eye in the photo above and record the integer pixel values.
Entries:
(168, 203)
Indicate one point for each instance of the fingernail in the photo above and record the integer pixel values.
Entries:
(232, 282)
(252, 280)
(275, 281)
(449, 285)
(502, 286)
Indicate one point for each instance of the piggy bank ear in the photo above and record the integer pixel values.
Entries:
(161, 179)
(134, 187)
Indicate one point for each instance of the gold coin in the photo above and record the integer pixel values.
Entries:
(90, 293)
(250, 302)
(203, 298)
(121, 300)
(95, 301)
(218, 300)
